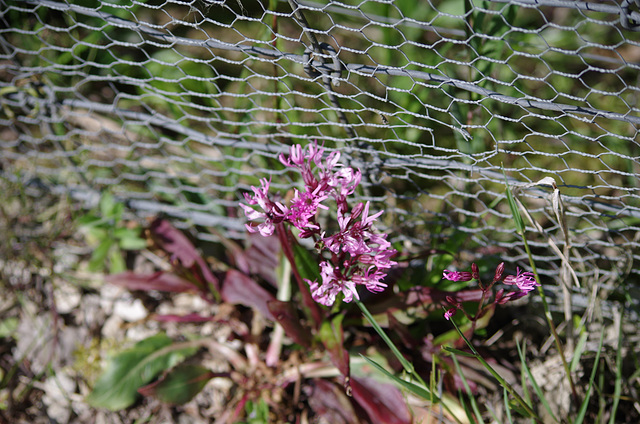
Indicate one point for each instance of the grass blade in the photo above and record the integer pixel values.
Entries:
(533, 382)
(472, 399)
(618, 383)
(583, 408)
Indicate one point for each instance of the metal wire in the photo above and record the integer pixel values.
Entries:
(176, 105)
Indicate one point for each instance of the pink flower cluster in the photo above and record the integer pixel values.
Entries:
(524, 281)
(356, 254)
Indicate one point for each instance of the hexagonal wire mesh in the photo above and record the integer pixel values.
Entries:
(176, 105)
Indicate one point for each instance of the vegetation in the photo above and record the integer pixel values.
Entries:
(131, 292)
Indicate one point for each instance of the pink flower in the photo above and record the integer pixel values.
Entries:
(370, 278)
(303, 208)
(333, 283)
(358, 254)
(299, 159)
(272, 212)
(450, 312)
(457, 275)
(525, 281)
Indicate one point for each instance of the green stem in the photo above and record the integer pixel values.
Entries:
(408, 366)
(497, 376)
(520, 230)
(549, 319)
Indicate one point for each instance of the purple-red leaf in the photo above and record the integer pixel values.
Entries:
(330, 402)
(286, 314)
(383, 402)
(182, 318)
(263, 256)
(178, 245)
(161, 281)
(239, 288)
(174, 242)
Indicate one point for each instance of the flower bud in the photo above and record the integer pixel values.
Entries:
(474, 271)
(499, 271)
(450, 312)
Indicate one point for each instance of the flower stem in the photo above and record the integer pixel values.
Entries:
(408, 366)
(549, 319)
(286, 239)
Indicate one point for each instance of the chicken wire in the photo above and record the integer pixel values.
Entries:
(179, 106)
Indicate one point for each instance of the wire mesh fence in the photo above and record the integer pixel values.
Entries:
(179, 106)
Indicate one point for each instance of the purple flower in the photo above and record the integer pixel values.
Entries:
(525, 281)
(357, 254)
(344, 182)
(333, 283)
(457, 275)
(370, 278)
(303, 208)
(450, 312)
(273, 212)
(299, 159)
(381, 259)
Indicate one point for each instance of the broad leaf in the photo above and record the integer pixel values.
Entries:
(383, 402)
(180, 385)
(178, 245)
(286, 314)
(129, 238)
(193, 317)
(239, 288)
(174, 242)
(161, 281)
(116, 261)
(330, 403)
(107, 205)
(100, 254)
(263, 256)
(117, 388)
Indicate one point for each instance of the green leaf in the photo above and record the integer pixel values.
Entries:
(532, 380)
(472, 400)
(88, 220)
(8, 327)
(585, 402)
(180, 385)
(116, 213)
(332, 337)
(107, 204)
(408, 366)
(116, 261)
(257, 412)
(99, 255)
(96, 234)
(306, 262)
(459, 352)
(129, 238)
(117, 388)
(132, 243)
(421, 391)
